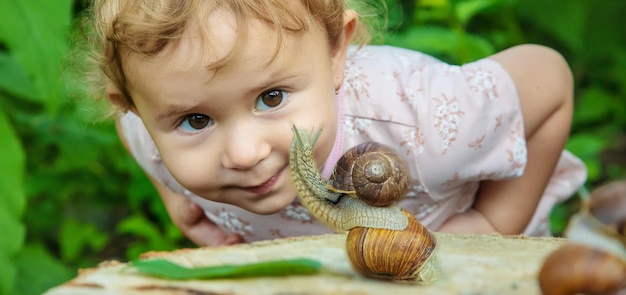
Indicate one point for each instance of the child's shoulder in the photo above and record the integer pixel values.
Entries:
(378, 53)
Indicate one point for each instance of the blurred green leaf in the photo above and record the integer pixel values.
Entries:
(75, 236)
(593, 105)
(434, 3)
(615, 170)
(39, 271)
(443, 42)
(12, 202)
(604, 37)
(564, 20)
(14, 81)
(11, 241)
(465, 10)
(559, 218)
(594, 169)
(153, 237)
(37, 38)
(12, 174)
(588, 147)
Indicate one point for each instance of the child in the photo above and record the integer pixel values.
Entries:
(210, 89)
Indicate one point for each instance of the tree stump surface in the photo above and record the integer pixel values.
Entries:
(468, 264)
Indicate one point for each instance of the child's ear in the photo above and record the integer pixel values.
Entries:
(338, 54)
(118, 99)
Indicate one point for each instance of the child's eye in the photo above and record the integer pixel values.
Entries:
(270, 99)
(195, 122)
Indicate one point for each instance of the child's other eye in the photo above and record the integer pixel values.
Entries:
(195, 122)
(270, 99)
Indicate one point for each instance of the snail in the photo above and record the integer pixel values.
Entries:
(608, 205)
(373, 172)
(383, 240)
(593, 260)
(581, 269)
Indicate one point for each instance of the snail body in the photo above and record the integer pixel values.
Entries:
(383, 241)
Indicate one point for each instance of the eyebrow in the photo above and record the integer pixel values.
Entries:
(177, 110)
(172, 111)
(274, 79)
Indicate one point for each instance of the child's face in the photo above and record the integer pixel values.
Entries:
(225, 135)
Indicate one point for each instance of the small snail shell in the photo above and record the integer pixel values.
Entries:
(372, 171)
(577, 268)
(593, 261)
(608, 205)
(407, 255)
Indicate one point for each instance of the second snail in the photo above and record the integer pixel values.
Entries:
(383, 241)
(593, 260)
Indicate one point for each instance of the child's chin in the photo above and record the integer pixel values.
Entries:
(272, 205)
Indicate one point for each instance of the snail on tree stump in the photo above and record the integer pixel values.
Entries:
(593, 261)
(383, 241)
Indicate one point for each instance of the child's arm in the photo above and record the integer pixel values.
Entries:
(545, 86)
(192, 222)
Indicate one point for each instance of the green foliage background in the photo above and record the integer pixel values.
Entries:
(70, 196)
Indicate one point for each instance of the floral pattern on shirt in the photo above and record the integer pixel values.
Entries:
(295, 211)
(483, 82)
(357, 79)
(356, 125)
(413, 140)
(447, 120)
(233, 223)
(518, 155)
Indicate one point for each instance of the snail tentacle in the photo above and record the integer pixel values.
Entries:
(308, 181)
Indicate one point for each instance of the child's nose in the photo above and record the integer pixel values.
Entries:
(244, 148)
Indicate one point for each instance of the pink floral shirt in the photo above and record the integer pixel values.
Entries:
(455, 125)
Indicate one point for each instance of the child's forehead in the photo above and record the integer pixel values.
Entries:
(217, 37)
(132, 32)
(216, 43)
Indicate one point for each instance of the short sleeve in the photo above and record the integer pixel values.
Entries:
(145, 152)
(456, 125)
(471, 124)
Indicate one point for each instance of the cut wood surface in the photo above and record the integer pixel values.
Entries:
(468, 264)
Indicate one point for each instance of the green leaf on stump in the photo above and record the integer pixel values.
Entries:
(166, 269)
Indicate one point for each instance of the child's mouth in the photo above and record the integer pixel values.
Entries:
(266, 187)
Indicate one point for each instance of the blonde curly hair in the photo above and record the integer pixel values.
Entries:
(146, 27)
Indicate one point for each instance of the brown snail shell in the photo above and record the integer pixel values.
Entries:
(593, 261)
(608, 205)
(407, 255)
(373, 172)
(577, 268)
